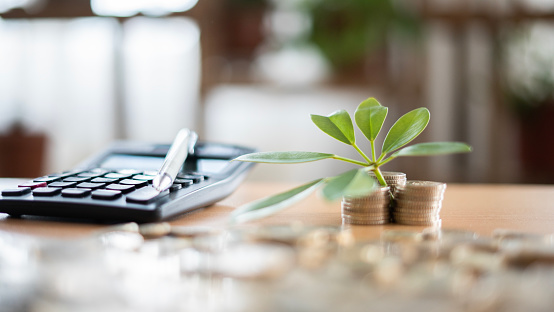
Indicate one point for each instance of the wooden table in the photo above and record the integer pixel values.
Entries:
(476, 207)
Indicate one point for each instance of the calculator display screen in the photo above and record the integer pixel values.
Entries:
(154, 163)
(206, 165)
(139, 162)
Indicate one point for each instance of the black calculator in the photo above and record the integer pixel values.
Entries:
(116, 185)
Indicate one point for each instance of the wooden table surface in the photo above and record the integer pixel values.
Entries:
(476, 207)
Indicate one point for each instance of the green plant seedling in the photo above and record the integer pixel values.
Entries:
(369, 117)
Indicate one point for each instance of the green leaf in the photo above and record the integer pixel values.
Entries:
(433, 148)
(338, 125)
(405, 129)
(369, 102)
(269, 205)
(283, 157)
(370, 120)
(352, 183)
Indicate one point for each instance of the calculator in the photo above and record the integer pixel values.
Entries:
(116, 185)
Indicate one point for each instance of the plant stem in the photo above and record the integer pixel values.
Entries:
(373, 155)
(369, 161)
(379, 176)
(356, 162)
(386, 160)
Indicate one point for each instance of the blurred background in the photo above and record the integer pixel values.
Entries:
(76, 75)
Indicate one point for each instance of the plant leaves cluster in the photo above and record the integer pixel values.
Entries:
(369, 116)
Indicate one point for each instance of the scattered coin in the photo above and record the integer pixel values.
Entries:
(154, 230)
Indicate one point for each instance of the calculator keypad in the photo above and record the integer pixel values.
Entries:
(16, 191)
(75, 192)
(46, 191)
(100, 184)
(62, 184)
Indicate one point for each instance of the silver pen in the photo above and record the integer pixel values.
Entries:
(178, 152)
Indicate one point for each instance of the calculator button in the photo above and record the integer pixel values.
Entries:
(32, 184)
(175, 187)
(46, 191)
(143, 196)
(150, 173)
(90, 185)
(76, 179)
(136, 183)
(115, 175)
(46, 179)
(121, 187)
(194, 177)
(128, 171)
(16, 191)
(143, 177)
(65, 174)
(103, 180)
(184, 182)
(106, 194)
(75, 192)
(90, 174)
(62, 184)
(99, 170)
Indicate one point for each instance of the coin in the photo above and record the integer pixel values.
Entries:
(368, 217)
(417, 222)
(418, 204)
(382, 202)
(414, 217)
(154, 230)
(399, 195)
(365, 211)
(419, 208)
(193, 231)
(391, 175)
(393, 179)
(422, 188)
(366, 222)
(361, 208)
(363, 219)
(415, 212)
(377, 193)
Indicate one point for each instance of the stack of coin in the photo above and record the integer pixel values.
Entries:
(393, 179)
(419, 203)
(372, 209)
